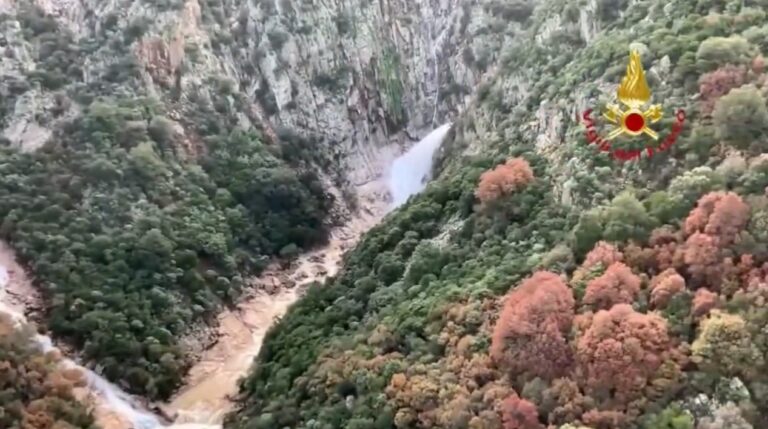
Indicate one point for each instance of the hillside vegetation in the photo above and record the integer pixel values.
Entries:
(132, 240)
(34, 392)
(538, 283)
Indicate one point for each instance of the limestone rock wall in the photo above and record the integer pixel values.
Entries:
(363, 79)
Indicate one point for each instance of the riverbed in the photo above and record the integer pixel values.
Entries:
(212, 382)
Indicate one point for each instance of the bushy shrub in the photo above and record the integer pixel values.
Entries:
(741, 118)
(277, 38)
(36, 391)
(503, 180)
(715, 52)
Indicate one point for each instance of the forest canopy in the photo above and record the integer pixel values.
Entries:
(132, 246)
(539, 284)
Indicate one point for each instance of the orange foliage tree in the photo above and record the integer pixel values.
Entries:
(719, 214)
(702, 258)
(504, 179)
(35, 392)
(530, 335)
(665, 286)
(618, 285)
(603, 254)
(517, 413)
(703, 301)
(620, 354)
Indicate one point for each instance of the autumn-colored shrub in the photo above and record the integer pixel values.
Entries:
(618, 285)
(35, 391)
(758, 64)
(725, 346)
(702, 255)
(605, 419)
(504, 179)
(530, 334)
(620, 354)
(666, 248)
(665, 286)
(719, 214)
(603, 253)
(717, 83)
(640, 259)
(517, 413)
(565, 401)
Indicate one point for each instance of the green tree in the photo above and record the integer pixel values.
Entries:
(626, 219)
(719, 51)
(672, 417)
(587, 232)
(741, 118)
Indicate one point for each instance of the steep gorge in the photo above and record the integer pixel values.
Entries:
(212, 381)
(334, 96)
(483, 302)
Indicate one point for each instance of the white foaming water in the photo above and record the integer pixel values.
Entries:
(115, 399)
(409, 173)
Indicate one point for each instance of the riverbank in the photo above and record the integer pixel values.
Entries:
(212, 381)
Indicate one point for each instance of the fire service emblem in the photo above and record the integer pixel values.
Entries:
(633, 117)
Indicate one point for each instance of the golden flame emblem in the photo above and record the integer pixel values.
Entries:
(634, 93)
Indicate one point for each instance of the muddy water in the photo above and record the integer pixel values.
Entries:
(213, 380)
(210, 384)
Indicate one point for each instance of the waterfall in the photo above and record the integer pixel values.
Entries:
(410, 172)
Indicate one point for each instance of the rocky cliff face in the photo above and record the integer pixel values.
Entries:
(571, 63)
(358, 79)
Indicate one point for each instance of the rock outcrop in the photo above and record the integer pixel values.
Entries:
(358, 79)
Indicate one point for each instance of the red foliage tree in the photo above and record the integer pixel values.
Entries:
(620, 353)
(603, 253)
(530, 334)
(517, 413)
(618, 285)
(605, 419)
(719, 214)
(717, 83)
(666, 248)
(703, 301)
(702, 256)
(758, 64)
(665, 286)
(503, 180)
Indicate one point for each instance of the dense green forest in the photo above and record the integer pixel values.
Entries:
(532, 286)
(131, 242)
(35, 393)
